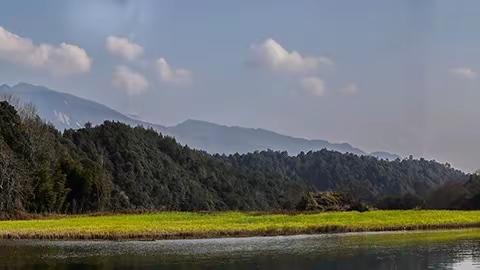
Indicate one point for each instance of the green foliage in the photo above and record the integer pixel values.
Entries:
(88, 187)
(49, 192)
(11, 132)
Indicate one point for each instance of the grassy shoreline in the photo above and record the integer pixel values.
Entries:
(181, 225)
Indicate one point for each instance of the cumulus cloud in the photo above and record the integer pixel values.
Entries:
(63, 59)
(349, 90)
(313, 86)
(132, 82)
(170, 75)
(464, 73)
(273, 56)
(123, 47)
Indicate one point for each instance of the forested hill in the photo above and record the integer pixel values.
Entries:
(114, 167)
(366, 177)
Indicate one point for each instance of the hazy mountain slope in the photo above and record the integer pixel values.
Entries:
(66, 111)
(223, 139)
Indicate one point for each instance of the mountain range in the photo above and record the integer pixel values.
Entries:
(66, 111)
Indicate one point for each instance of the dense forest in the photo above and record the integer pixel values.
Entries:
(364, 176)
(114, 167)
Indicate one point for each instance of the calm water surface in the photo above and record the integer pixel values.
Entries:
(341, 251)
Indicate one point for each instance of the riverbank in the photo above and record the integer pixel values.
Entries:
(179, 225)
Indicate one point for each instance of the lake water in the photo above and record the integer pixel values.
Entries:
(413, 250)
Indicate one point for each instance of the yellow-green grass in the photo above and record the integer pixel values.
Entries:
(168, 225)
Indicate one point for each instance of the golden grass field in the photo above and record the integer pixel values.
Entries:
(169, 225)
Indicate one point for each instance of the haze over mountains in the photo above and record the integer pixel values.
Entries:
(67, 111)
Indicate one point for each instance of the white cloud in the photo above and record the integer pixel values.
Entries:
(272, 55)
(170, 75)
(123, 47)
(464, 73)
(63, 59)
(132, 82)
(349, 90)
(313, 86)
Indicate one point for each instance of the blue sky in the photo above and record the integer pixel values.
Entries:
(394, 75)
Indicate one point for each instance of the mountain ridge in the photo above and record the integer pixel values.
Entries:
(253, 139)
(66, 111)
